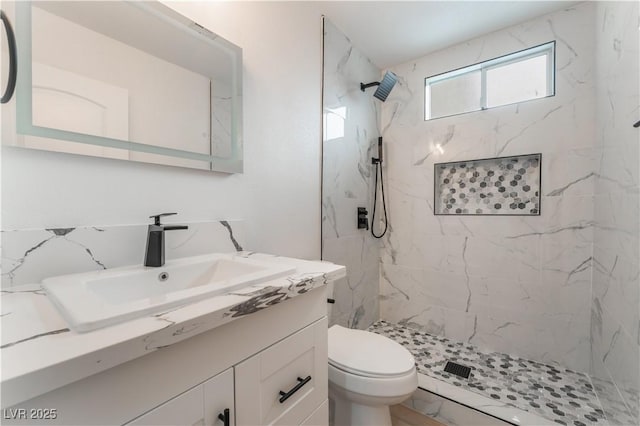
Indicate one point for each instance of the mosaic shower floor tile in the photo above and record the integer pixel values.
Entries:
(563, 396)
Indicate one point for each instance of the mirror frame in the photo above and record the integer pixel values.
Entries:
(24, 101)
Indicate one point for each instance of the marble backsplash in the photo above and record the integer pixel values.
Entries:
(28, 256)
(518, 285)
(349, 137)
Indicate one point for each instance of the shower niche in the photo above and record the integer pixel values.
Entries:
(502, 186)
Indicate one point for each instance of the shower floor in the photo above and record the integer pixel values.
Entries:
(555, 393)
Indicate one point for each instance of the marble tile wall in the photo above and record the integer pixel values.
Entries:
(28, 256)
(350, 134)
(615, 316)
(520, 285)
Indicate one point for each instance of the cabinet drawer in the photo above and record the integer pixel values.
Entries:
(286, 382)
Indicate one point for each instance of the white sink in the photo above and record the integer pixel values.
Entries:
(96, 299)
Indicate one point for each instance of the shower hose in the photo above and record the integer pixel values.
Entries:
(375, 202)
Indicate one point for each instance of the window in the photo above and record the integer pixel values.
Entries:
(517, 77)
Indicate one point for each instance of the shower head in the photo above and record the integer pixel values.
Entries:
(384, 87)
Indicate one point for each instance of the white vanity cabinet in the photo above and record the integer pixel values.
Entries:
(211, 403)
(285, 383)
(242, 366)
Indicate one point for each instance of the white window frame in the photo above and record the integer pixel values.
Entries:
(546, 49)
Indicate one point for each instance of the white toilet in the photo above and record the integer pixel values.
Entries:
(367, 373)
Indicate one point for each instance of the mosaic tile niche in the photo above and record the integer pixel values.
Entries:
(492, 186)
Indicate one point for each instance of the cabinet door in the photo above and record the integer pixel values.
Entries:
(198, 406)
(218, 397)
(185, 410)
(285, 383)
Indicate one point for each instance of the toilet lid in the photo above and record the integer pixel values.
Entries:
(367, 354)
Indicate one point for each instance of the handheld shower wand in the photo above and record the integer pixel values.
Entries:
(379, 159)
(378, 162)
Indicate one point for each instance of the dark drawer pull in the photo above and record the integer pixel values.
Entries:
(225, 417)
(301, 382)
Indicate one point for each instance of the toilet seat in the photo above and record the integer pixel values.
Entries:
(367, 374)
(372, 387)
(366, 354)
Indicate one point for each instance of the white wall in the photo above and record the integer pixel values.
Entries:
(278, 196)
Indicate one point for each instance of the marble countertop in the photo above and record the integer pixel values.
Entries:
(40, 353)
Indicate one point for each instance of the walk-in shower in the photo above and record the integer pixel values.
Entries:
(543, 308)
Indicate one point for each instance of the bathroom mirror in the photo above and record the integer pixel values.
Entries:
(127, 80)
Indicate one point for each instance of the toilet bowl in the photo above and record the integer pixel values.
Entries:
(367, 373)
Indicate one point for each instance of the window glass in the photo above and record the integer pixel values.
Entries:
(517, 77)
(456, 95)
(517, 81)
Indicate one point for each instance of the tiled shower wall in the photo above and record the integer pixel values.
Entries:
(520, 285)
(615, 321)
(348, 177)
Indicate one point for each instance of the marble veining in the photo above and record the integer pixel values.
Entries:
(513, 284)
(615, 301)
(29, 256)
(235, 242)
(350, 134)
(269, 296)
(39, 352)
(553, 392)
(37, 336)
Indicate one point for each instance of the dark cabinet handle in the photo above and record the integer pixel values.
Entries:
(13, 59)
(301, 382)
(225, 417)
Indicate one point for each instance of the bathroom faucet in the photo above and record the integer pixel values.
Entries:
(154, 254)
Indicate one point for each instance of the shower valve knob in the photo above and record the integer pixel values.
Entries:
(363, 220)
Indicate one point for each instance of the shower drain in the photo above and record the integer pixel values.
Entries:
(457, 369)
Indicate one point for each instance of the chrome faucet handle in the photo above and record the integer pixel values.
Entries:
(156, 218)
